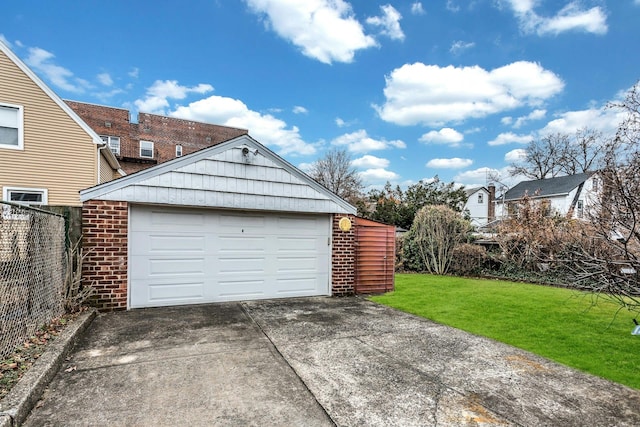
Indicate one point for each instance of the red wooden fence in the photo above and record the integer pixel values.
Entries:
(375, 256)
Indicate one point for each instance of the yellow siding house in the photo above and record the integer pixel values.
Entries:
(47, 153)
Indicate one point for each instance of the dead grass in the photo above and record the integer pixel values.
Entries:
(22, 359)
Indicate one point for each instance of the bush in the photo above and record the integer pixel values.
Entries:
(435, 232)
(468, 260)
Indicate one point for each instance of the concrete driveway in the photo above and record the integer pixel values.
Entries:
(314, 361)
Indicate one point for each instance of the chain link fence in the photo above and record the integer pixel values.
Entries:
(32, 271)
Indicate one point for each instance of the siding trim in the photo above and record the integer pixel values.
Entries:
(103, 190)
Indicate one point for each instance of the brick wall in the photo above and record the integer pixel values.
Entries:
(165, 133)
(343, 258)
(104, 228)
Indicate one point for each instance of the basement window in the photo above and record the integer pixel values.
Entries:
(25, 196)
(146, 149)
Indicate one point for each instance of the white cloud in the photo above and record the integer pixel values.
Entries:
(41, 61)
(325, 30)
(452, 6)
(446, 136)
(417, 9)
(360, 142)
(506, 120)
(157, 97)
(378, 174)
(389, 21)
(300, 110)
(453, 163)
(603, 119)
(459, 46)
(135, 71)
(266, 128)
(475, 177)
(369, 161)
(433, 95)
(305, 167)
(4, 40)
(571, 17)
(510, 138)
(340, 123)
(534, 115)
(105, 79)
(515, 155)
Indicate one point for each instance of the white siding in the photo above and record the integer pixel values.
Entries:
(478, 212)
(228, 179)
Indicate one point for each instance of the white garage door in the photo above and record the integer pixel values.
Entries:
(190, 256)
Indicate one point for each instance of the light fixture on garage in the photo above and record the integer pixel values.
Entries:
(248, 155)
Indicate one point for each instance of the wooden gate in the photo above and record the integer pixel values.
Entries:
(375, 257)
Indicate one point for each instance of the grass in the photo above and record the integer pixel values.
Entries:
(560, 324)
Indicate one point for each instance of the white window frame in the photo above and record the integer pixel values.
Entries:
(6, 195)
(108, 140)
(146, 142)
(580, 209)
(20, 117)
(178, 150)
(480, 198)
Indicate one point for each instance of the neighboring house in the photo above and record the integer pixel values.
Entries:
(154, 139)
(47, 153)
(230, 222)
(571, 195)
(480, 205)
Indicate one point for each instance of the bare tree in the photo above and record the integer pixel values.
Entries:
(543, 157)
(336, 173)
(562, 154)
(584, 152)
(611, 266)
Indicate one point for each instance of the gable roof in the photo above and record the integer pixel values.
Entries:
(217, 177)
(471, 191)
(558, 186)
(55, 98)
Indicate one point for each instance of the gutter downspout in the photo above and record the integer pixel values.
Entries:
(100, 148)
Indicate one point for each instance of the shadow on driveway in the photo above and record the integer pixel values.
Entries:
(315, 361)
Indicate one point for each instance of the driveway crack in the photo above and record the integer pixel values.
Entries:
(274, 349)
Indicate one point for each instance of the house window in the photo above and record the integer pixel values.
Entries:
(480, 198)
(26, 196)
(113, 142)
(146, 149)
(178, 150)
(11, 126)
(594, 185)
(580, 209)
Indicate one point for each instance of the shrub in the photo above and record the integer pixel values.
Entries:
(468, 259)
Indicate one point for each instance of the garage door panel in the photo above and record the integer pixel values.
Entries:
(236, 289)
(176, 267)
(242, 265)
(245, 244)
(297, 286)
(225, 256)
(188, 292)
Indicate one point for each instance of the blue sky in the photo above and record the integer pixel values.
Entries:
(412, 89)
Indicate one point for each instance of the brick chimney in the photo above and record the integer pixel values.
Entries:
(491, 214)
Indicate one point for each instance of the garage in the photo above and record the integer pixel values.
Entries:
(188, 256)
(231, 222)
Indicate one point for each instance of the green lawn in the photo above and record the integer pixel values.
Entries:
(559, 324)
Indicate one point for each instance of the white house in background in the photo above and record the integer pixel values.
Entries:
(570, 195)
(480, 205)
